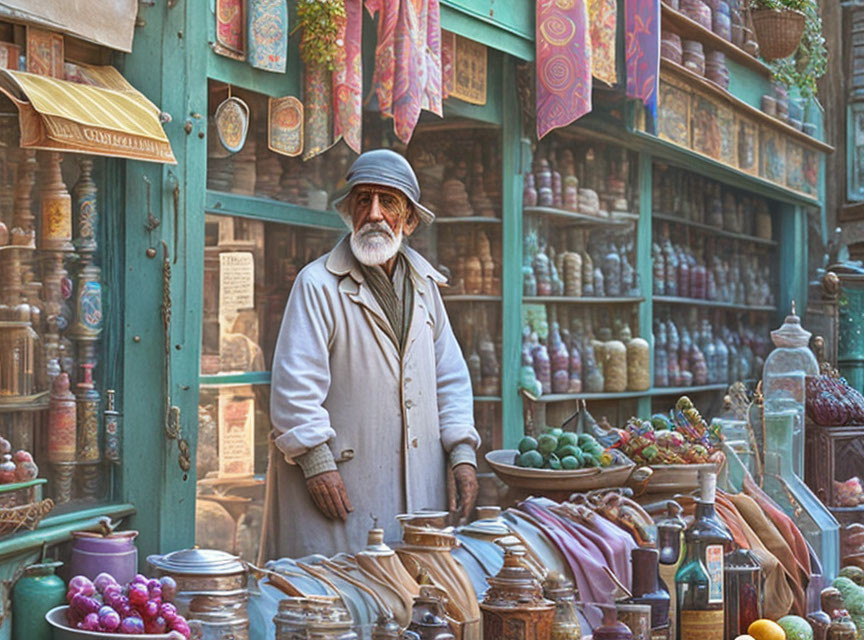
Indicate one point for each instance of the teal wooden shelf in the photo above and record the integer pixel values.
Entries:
(713, 304)
(464, 297)
(630, 395)
(269, 210)
(439, 220)
(707, 228)
(683, 391)
(573, 218)
(230, 379)
(487, 398)
(581, 300)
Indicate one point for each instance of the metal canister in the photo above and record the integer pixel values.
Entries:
(211, 590)
(514, 605)
(319, 617)
(110, 552)
(35, 593)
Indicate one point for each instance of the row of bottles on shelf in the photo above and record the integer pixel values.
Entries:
(475, 327)
(714, 271)
(558, 359)
(471, 260)
(589, 264)
(697, 352)
(592, 180)
(459, 176)
(706, 201)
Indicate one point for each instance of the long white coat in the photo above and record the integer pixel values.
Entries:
(389, 419)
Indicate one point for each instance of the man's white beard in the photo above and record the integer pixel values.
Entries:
(375, 243)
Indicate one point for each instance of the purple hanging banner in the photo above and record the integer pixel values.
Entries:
(642, 52)
(563, 63)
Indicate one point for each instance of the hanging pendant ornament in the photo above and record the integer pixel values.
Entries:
(232, 123)
(285, 126)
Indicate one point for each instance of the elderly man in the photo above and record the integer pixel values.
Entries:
(370, 399)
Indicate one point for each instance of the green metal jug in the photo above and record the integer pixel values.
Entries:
(35, 593)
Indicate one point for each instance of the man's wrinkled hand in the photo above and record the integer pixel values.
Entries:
(465, 494)
(328, 493)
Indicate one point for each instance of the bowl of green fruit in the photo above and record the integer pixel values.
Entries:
(560, 460)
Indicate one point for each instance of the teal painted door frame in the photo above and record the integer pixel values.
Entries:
(168, 66)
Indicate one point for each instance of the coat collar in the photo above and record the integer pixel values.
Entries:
(341, 262)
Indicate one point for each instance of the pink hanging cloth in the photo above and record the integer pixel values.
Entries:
(348, 80)
(563, 51)
(407, 61)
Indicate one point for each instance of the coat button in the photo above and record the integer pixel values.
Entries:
(414, 443)
(409, 403)
(407, 380)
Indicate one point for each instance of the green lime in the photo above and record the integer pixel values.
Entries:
(527, 444)
(531, 460)
(552, 462)
(569, 462)
(547, 443)
(569, 450)
(586, 438)
(555, 431)
(568, 437)
(590, 461)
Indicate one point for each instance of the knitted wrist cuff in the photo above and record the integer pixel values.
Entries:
(463, 453)
(316, 461)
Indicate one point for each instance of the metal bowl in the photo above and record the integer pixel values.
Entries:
(501, 462)
(60, 630)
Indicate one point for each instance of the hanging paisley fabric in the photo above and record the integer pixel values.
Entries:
(285, 126)
(232, 123)
(642, 52)
(348, 79)
(563, 63)
(407, 61)
(267, 41)
(601, 18)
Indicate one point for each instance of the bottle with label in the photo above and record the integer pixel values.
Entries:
(699, 580)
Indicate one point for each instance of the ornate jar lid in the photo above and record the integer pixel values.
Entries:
(198, 562)
(515, 587)
(427, 538)
(791, 334)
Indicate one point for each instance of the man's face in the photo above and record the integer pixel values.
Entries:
(380, 217)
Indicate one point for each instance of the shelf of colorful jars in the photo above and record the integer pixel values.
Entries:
(696, 81)
(672, 20)
(573, 218)
(664, 217)
(582, 300)
(467, 220)
(714, 304)
(627, 395)
(464, 297)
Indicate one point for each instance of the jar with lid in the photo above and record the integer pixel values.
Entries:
(784, 387)
(566, 624)
(427, 617)
(35, 593)
(514, 606)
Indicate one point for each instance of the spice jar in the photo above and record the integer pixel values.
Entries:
(566, 624)
(694, 57)
(514, 606)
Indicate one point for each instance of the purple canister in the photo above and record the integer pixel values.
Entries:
(94, 553)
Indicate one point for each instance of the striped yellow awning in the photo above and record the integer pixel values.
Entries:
(107, 117)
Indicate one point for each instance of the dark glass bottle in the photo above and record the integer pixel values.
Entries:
(649, 589)
(699, 580)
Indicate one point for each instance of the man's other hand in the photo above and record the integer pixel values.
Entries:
(329, 495)
(464, 497)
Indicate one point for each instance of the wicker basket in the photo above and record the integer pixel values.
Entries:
(778, 32)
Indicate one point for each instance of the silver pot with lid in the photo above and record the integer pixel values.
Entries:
(211, 590)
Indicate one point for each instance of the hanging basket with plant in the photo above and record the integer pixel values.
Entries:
(778, 28)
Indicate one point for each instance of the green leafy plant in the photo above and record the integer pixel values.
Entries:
(322, 23)
(810, 61)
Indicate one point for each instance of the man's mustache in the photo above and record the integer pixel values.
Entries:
(377, 227)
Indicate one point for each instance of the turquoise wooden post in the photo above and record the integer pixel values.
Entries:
(793, 260)
(644, 265)
(171, 74)
(511, 258)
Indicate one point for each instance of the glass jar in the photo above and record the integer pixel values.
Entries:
(784, 383)
(742, 577)
(566, 625)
